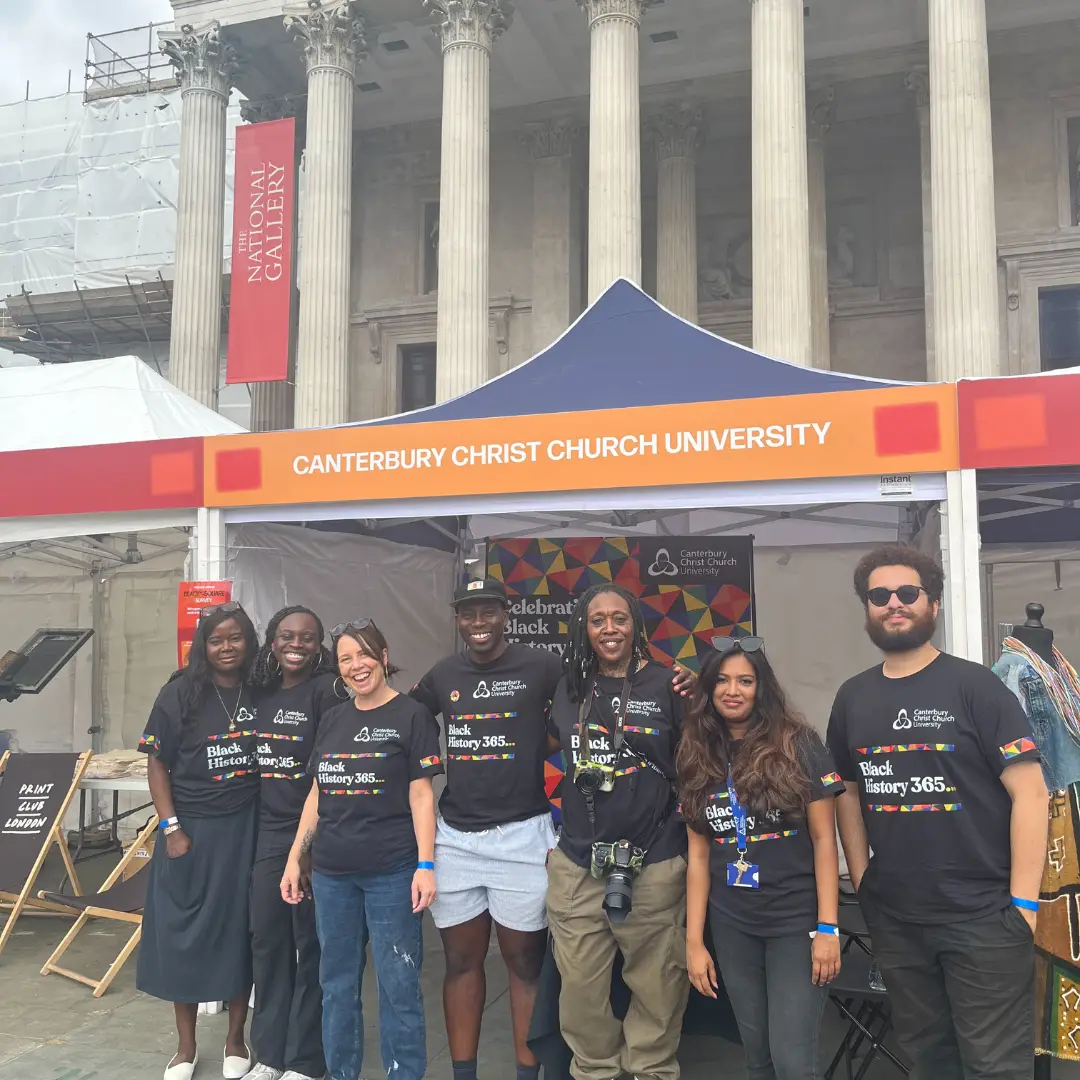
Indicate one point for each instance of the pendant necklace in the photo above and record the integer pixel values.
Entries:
(231, 715)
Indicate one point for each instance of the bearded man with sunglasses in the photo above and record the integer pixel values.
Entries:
(943, 783)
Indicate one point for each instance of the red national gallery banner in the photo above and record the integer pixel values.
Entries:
(262, 264)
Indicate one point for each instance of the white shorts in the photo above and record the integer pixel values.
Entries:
(502, 870)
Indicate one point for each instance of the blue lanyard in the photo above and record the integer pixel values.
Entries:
(739, 813)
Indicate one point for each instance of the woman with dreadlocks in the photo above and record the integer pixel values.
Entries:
(295, 683)
(617, 879)
(204, 781)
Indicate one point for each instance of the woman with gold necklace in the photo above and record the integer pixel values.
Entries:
(204, 780)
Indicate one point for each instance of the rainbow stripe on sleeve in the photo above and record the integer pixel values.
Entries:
(1016, 748)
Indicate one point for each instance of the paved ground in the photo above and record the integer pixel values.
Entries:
(52, 1029)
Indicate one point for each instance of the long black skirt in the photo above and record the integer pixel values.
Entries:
(196, 943)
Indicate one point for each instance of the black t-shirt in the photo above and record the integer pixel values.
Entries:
(287, 722)
(496, 734)
(779, 845)
(928, 752)
(212, 769)
(641, 808)
(364, 761)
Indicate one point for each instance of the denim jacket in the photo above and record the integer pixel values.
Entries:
(1059, 751)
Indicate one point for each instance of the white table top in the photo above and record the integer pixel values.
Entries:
(120, 783)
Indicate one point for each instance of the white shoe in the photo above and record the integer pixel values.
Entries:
(263, 1072)
(292, 1074)
(235, 1068)
(183, 1070)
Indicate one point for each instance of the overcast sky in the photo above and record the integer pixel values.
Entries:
(41, 40)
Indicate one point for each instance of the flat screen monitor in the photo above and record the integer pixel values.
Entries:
(38, 661)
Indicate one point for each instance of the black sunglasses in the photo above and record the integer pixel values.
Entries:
(354, 624)
(906, 594)
(230, 607)
(724, 644)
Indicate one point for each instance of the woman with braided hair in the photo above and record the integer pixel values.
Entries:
(617, 879)
(295, 682)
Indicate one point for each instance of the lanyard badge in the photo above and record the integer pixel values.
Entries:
(740, 873)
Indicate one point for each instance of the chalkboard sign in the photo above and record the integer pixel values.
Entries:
(35, 790)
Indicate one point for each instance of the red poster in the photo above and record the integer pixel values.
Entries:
(194, 597)
(262, 252)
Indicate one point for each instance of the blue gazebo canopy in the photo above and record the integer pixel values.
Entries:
(627, 350)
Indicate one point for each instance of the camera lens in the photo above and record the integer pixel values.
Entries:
(617, 902)
(588, 783)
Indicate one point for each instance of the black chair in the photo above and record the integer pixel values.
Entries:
(864, 1003)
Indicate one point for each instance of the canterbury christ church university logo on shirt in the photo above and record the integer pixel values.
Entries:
(926, 719)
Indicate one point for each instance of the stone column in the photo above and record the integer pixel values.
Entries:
(614, 142)
(781, 217)
(330, 36)
(206, 65)
(556, 255)
(467, 30)
(820, 118)
(965, 280)
(272, 402)
(918, 82)
(676, 132)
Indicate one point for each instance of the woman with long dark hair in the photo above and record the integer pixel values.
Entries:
(204, 781)
(369, 826)
(295, 683)
(756, 784)
(617, 879)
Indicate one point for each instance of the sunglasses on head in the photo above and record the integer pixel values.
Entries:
(725, 644)
(355, 624)
(230, 607)
(906, 594)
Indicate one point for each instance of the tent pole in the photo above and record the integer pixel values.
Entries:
(211, 562)
(97, 677)
(960, 561)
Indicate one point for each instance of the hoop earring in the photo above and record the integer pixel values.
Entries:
(273, 665)
(318, 663)
(343, 692)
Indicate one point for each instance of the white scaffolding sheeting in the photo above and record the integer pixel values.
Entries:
(88, 191)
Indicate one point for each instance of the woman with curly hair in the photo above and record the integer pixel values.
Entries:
(204, 781)
(295, 684)
(757, 787)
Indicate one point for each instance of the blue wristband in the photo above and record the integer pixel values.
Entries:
(425, 866)
(826, 928)
(167, 822)
(1025, 905)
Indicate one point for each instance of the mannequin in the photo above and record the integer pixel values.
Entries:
(1047, 687)
(1034, 635)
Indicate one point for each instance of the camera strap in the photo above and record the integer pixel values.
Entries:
(617, 738)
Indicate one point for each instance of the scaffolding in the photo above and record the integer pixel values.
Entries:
(126, 62)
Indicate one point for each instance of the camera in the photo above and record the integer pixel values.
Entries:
(620, 863)
(591, 777)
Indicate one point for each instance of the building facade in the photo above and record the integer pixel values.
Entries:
(886, 187)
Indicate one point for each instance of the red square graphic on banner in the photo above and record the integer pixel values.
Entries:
(238, 470)
(1010, 422)
(907, 429)
(172, 474)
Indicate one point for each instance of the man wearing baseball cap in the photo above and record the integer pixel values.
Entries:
(494, 827)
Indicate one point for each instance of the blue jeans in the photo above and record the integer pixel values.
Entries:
(776, 1005)
(350, 910)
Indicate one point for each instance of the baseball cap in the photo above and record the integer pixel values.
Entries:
(481, 589)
